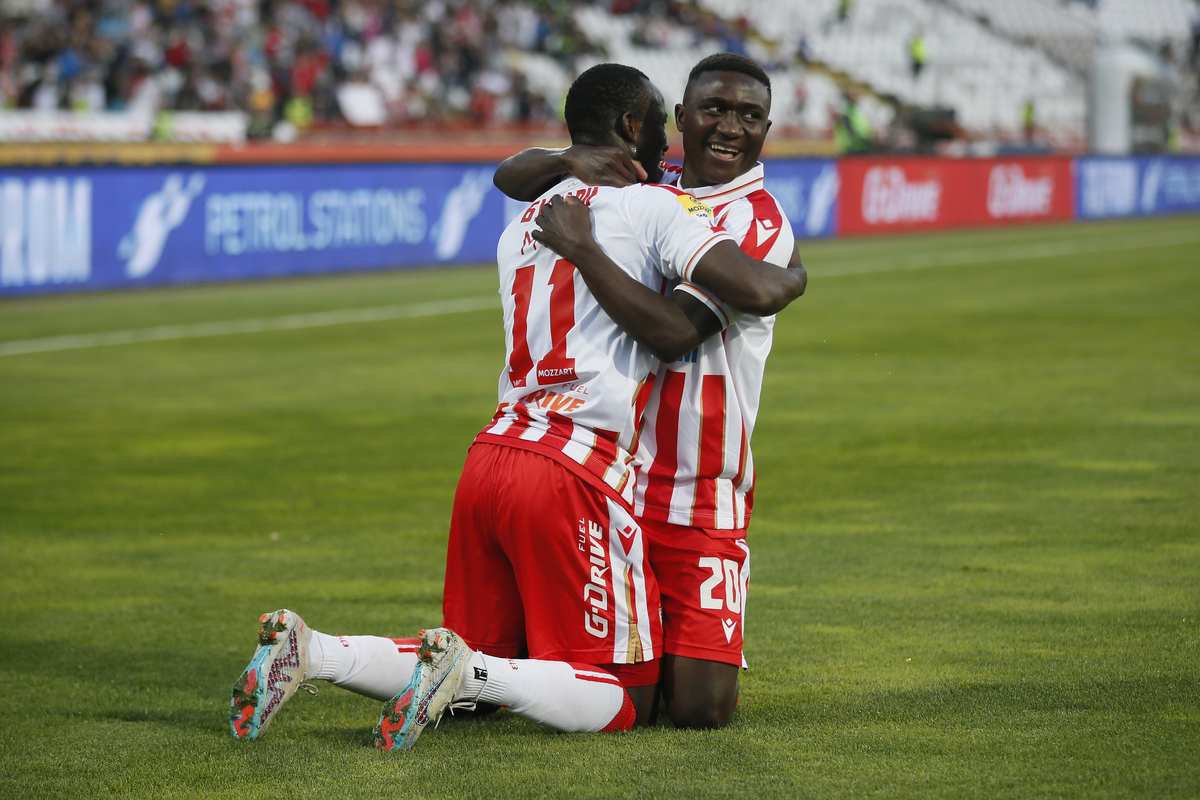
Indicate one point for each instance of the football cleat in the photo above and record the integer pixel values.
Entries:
(275, 673)
(440, 673)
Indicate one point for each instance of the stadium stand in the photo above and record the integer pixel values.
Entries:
(1001, 69)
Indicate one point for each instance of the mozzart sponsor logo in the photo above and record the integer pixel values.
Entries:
(1012, 194)
(45, 231)
(889, 197)
(237, 223)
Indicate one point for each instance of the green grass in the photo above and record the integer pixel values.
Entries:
(976, 546)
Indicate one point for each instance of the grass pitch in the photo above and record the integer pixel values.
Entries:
(976, 542)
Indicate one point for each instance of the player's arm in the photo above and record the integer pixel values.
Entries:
(749, 285)
(668, 327)
(535, 170)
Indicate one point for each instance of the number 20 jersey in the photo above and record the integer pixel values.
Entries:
(574, 385)
(698, 470)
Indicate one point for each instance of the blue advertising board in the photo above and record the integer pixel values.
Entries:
(106, 227)
(808, 191)
(63, 229)
(1138, 186)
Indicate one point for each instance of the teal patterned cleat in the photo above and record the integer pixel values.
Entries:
(275, 673)
(441, 670)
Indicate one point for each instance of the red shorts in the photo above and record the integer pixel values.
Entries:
(703, 580)
(545, 565)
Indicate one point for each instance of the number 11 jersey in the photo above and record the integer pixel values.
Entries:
(574, 384)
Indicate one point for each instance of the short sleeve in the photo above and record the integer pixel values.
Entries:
(676, 227)
(762, 231)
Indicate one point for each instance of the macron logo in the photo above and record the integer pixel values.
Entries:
(766, 229)
(730, 626)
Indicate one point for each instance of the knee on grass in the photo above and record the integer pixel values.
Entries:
(699, 713)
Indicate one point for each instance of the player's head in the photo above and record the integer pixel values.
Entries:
(614, 104)
(724, 118)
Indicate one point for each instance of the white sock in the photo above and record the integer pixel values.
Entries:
(575, 698)
(368, 665)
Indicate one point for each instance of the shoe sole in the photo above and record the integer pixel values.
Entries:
(404, 718)
(263, 687)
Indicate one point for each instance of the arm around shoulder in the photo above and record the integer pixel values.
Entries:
(749, 285)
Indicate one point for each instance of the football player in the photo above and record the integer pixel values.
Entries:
(695, 488)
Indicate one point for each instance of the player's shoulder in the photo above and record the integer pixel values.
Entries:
(669, 199)
(764, 205)
(567, 186)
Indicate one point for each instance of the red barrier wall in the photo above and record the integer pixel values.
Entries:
(881, 195)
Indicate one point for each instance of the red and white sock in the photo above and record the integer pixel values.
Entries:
(574, 698)
(367, 665)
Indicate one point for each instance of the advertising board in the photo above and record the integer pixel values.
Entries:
(1126, 187)
(882, 195)
(64, 229)
(106, 227)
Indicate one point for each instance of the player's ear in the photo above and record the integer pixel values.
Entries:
(679, 117)
(630, 126)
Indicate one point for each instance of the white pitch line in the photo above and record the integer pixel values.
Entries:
(259, 325)
(375, 314)
(948, 258)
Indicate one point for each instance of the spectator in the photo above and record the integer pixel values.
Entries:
(917, 53)
(852, 133)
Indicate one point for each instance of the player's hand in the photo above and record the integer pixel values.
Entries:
(603, 165)
(565, 226)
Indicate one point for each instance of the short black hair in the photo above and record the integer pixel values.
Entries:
(599, 97)
(730, 62)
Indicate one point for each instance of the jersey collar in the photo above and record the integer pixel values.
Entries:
(746, 183)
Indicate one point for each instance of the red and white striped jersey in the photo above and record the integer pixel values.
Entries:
(694, 445)
(575, 384)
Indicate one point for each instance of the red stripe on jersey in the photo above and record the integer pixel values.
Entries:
(561, 425)
(660, 480)
(744, 448)
(712, 450)
(520, 362)
(521, 423)
(765, 211)
(750, 496)
(639, 402)
(604, 453)
(641, 398)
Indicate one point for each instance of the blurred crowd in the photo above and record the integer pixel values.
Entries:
(286, 59)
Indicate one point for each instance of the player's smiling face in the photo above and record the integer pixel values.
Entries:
(724, 122)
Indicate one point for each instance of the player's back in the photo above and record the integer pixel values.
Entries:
(575, 384)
